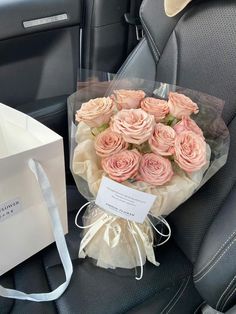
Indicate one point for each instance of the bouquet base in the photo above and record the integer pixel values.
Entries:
(115, 242)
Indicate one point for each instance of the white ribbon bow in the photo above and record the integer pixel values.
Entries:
(113, 231)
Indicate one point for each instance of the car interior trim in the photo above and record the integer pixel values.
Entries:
(45, 20)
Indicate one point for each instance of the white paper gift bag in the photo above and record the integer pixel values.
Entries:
(33, 211)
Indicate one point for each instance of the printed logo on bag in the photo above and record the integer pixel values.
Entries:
(9, 208)
(123, 201)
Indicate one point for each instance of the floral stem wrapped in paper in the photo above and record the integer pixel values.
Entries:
(137, 155)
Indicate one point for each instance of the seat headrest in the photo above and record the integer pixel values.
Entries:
(173, 7)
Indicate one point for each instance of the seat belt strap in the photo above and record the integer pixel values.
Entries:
(135, 32)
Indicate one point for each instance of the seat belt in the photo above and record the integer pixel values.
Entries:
(135, 32)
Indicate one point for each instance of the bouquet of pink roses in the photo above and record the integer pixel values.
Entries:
(129, 143)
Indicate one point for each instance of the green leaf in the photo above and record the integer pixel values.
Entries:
(100, 129)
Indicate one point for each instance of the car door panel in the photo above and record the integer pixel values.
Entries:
(13, 14)
(38, 66)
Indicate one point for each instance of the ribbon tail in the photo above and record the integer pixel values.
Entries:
(148, 246)
(133, 233)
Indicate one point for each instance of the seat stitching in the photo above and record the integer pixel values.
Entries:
(224, 292)
(209, 262)
(173, 297)
(156, 293)
(185, 286)
(177, 295)
(217, 212)
(216, 262)
(229, 297)
(156, 50)
(198, 308)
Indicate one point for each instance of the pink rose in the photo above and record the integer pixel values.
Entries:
(155, 169)
(123, 165)
(108, 143)
(187, 124)
(181, 105)
(163, 140)
(135, 125)
(127, 99)
(190, 151)
(95, 112)
(157, 107)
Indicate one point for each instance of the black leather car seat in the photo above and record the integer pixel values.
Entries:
(196, 49)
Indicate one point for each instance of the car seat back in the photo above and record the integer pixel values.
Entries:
(197, 49)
